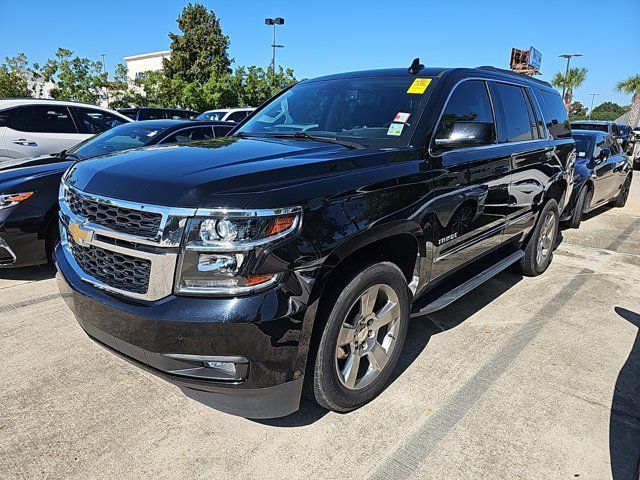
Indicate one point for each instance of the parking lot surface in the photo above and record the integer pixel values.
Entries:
(522, 378)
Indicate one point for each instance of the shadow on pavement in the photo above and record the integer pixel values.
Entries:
(421, 330)
(624, 426)
(40, 272)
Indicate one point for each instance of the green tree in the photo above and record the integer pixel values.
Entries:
(631, 85)
(577, 110)
(76, 78)
(13, 77)
(201, 50)
(608, 111)
(573, 79)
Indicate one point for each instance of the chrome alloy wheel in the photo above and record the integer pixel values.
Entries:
(547, 237)
(367, 337)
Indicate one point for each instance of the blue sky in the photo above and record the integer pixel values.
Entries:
(333, 36)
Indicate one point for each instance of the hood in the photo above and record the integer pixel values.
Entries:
(225, 172)
(26, 172)
(30, 162)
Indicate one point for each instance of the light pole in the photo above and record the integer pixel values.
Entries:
(566, 72)
(104, 69)
(593, 96)
(274, 45)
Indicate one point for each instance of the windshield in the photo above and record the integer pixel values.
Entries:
(601, 127)
(216, 116)
(123, 137)
(583, 145)
(375, 112)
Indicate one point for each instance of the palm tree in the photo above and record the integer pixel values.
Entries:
(573, 78)
(632, 86)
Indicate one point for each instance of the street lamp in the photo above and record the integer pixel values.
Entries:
(568, 57)
(593, 96)
(274, 45)
(104, 69)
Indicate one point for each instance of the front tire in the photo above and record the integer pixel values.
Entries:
(362, 339)
(538, 251)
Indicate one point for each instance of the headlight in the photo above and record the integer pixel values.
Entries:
(222, 249)
(13, 199)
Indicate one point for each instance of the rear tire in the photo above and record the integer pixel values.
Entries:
(578, 211)
(538, 251)
(362, 339)
(621, 201)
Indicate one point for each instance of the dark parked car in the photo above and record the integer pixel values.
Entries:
(602, 175)
(295, 251)
(605, 126)
(29, 187)
(153, 113)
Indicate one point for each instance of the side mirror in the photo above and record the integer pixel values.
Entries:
(467, 134)
(604, 154)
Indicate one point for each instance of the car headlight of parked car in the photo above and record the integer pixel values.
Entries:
(222, 249)
(12, 199)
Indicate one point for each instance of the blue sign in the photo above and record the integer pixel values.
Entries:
(535, 58)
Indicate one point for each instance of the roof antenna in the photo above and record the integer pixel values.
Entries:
(415, 67)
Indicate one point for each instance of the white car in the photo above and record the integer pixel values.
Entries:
(32, 127)
(235, 115)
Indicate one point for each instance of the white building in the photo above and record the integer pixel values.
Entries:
(145, 62)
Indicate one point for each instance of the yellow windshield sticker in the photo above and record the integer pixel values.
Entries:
(419, 85)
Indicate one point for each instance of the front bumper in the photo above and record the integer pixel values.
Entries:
(265, 329)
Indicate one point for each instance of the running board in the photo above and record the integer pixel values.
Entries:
(461, 290)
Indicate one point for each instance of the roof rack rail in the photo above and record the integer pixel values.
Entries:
(512, 73)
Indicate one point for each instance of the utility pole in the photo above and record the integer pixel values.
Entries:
(566, 72)
(593, 96)
(274, 45)
(104, 69)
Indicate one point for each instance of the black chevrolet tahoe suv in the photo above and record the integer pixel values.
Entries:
(291, 255)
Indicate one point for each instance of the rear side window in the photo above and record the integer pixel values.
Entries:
(190, 135)
(151, 114)
(177, 114)
(469, 102)
(513, 112)
(237, 116)
(96, 121)
(555, 115)
(43, 119)
(222, 131)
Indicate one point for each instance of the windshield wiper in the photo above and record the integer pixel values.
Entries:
(317, 138)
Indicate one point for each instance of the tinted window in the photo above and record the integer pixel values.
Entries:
(372, 111)
(512, 112)
(189, 135)
(237, 116)
(47, 119)
(151, 114)
(130, 114)
(469, 102)
(555, 114)
(583, 145)
(590, 126)
(222, 131)
(214, 115)
(178, 114)
(123, 137)
(96, 121)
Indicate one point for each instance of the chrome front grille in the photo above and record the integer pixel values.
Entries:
(119, 246)
(117, 270)
(120, 219)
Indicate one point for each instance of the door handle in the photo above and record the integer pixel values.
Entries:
(24, 142)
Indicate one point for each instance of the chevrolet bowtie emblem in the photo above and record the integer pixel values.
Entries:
(81, 235)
